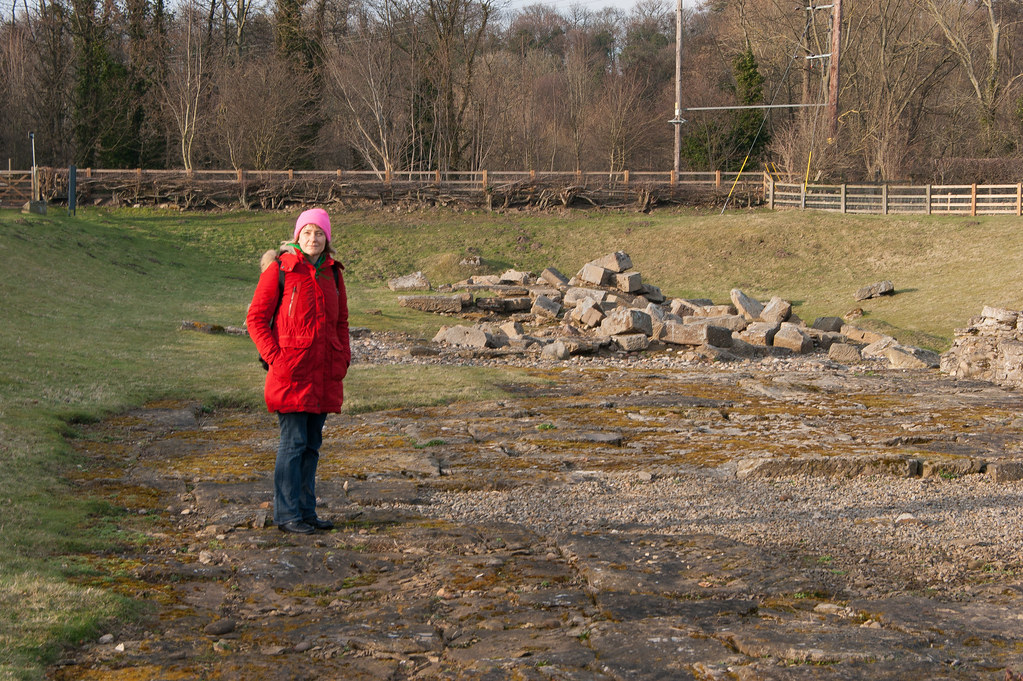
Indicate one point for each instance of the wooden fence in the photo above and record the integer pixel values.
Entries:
(885, 199)
(502, 189)
(485, 188)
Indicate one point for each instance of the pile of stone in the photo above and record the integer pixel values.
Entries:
(608, 306)
(989, 349)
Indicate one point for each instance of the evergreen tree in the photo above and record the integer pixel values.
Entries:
(747, 135)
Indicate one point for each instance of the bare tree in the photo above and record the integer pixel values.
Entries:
(454, 37)
(973, 31)
(256, 122)
(185, 86)
(891, 66)
(370, 77)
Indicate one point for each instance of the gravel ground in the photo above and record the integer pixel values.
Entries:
(933, 531)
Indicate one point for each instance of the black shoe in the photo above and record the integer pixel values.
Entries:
(319, 523)
(296, 527)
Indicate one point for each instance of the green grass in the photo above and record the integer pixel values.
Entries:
(92, 305)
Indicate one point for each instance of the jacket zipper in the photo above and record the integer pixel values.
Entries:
(291, 303)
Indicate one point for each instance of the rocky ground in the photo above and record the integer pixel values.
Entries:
(622, 517)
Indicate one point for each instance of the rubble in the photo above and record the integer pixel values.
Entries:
(608, 307)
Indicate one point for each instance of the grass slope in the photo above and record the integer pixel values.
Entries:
(91, 308)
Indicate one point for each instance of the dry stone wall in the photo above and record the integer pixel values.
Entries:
(608, 307)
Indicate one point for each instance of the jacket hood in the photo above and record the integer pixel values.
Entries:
(287, 247)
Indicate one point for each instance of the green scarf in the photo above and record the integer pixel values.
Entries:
(318, 265)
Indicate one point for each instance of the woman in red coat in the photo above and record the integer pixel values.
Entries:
(299, 321)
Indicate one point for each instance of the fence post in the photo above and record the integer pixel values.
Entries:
(843, 205)
(770, 192)
(579, 176)
(88, 172)
(626, 177)
(339, 173)
(884, 199)
(532, 176)
(802, 197)
(927, 195)
(437, 175)
(717, 179)
(674, 178)
(1019, 199)
(973, 199)
(291, 173)
(241, 176)
(484, 180)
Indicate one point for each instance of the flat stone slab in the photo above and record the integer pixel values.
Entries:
(775, 520)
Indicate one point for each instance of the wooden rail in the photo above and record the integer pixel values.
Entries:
(884, 199)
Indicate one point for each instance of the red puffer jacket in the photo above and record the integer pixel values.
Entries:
(307, 347)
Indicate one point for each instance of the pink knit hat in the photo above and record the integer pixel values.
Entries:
(313, 216)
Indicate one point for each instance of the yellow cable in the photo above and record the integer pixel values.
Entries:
(807, 178)
(737, 176)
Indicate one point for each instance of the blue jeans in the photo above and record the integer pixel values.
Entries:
(295, 471)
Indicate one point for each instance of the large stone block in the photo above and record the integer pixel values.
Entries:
(881, 288)
(688, 307)
(556, 350)
(630, 282)
(911, 358)
(614, 262)
(828, 324)
(464, 336)
(416, 281)
(747, 307)
(554, 277)
(777, 310)
(545, 307)
(732, 322)
(587, 313)
(858, 335)
(449, 304)
(516, 277)
(1005, 471)
(576, 294)
(554, 294)
(593, 274)
(760, 333)
(632, 342)
(696, 334)
(791, 337)
(512, 330)
(879, 348)
(844, 353)
(626, 320)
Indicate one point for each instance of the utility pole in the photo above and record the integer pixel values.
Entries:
(836, 41)
(678, 121)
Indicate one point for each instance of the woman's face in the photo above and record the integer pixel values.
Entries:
(312, 240)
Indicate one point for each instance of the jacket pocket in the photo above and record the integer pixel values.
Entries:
(338, 363)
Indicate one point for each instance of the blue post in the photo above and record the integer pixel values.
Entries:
(72, 181)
